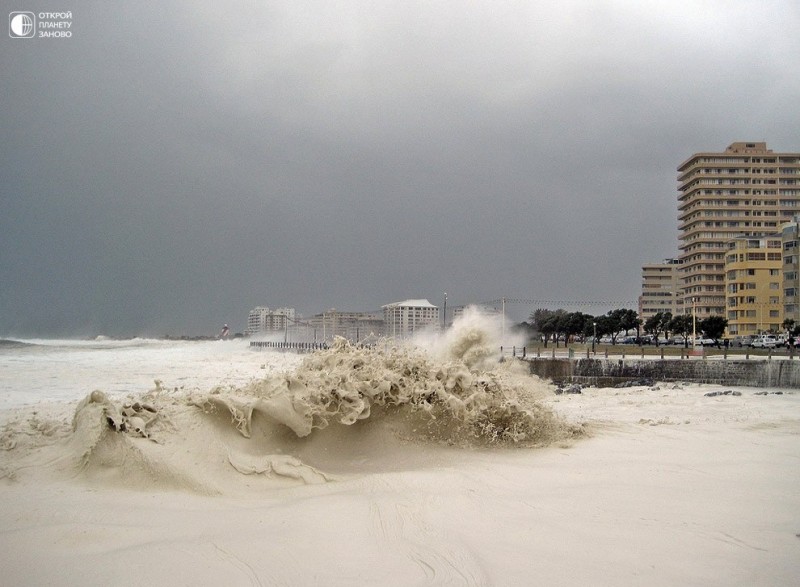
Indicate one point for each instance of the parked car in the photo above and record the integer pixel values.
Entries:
(741, 341)
(676, 340)
(764, 341)
(704, 341)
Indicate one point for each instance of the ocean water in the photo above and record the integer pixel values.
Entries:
(40, 371)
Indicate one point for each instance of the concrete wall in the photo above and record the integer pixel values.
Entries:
(754, 373)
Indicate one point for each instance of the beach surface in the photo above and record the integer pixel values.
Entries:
(180, 463)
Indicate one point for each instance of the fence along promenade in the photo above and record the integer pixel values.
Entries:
(643, 352)
(297, 347)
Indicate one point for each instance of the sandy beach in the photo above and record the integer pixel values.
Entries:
(660, 484)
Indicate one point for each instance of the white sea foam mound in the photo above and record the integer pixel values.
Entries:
(446, 401)
(345, 410)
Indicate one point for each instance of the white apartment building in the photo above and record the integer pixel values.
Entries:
(262, 319)
(402, 319)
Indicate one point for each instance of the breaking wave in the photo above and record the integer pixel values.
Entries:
(345, 410)
(347, 384)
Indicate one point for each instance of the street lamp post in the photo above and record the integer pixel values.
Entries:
(444, 313)
(594, 338)
(503, 326)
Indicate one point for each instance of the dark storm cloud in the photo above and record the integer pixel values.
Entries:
(170, 167)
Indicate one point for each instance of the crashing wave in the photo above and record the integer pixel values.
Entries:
(447, 401)
(345, 410)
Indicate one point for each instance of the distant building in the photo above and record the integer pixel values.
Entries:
(354, 326)
(753, 285)
(402, 319)
(660, 289)
(458, 311)
(262, 319)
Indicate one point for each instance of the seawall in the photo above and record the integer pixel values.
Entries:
(607, 372)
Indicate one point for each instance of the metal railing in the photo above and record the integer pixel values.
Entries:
(622, 351)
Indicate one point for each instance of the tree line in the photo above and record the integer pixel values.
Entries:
(556, 325)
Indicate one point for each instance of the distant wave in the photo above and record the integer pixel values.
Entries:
(94, 344)
(6, 343)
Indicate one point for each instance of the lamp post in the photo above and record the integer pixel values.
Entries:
(594, 338)
(444, 313)
(503, 325)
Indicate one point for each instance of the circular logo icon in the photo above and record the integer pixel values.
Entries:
(21, 24)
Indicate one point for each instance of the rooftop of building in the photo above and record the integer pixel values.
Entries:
(410, 304)
(737, 148)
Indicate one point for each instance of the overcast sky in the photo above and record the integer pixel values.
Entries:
(174, 164)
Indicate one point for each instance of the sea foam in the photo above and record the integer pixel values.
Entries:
(452, 388)
(349, 409)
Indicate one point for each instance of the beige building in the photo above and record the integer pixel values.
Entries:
(746, 190)
(753, 285)
(660, 288)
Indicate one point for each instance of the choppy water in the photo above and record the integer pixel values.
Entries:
(35, 371)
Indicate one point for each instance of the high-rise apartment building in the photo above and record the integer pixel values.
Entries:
(746, 190)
